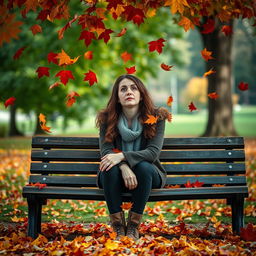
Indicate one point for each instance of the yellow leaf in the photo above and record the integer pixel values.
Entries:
(186, 23)
(111, 245)
(151, 13)
(177, 5)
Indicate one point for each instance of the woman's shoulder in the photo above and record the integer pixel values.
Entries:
(163, 114)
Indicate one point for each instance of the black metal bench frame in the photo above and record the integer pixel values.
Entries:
(212, 160)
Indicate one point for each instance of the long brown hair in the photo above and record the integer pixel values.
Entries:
(110, 115)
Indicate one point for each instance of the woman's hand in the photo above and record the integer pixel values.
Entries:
(129, 177)
(110, 160)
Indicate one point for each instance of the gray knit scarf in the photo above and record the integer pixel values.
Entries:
(131, 137)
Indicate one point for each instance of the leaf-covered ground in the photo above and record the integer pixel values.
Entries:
(188, 227)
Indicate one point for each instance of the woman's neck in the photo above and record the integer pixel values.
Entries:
(130, 113)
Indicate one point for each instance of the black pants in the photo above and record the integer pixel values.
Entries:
(113, 185)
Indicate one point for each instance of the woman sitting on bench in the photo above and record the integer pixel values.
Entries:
(130, 151)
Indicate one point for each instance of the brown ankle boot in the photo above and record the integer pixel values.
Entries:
(133, 223)
(117, 221)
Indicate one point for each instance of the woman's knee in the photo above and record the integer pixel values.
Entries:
(111, 173)
(144, 169)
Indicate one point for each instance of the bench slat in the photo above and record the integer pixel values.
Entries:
(176, 169)
(172, 156)
(155, 195)
(71, 181)
(169, 143)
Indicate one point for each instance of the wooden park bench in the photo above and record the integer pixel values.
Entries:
(211, 160)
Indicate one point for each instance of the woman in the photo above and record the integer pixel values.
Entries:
(130, 151)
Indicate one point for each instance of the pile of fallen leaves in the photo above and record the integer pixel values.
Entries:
(159, 236)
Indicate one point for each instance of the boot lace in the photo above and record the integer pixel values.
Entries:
(131, 229)
(118, 228)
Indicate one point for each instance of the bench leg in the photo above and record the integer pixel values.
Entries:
(237, 214)
(34, 217)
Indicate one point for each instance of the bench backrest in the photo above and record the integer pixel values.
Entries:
(74, 161)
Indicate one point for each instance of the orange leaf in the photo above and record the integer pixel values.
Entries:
(131, 70)
(123, 31)
(213, 95)
(64, 59)
(169, 101)
(42, 120)
(88, 55)
(9, 101)
(218, 185)
(36, 29)
(209, 72)
(186, 23)
(126, 56)
(206, 54)
(177, 5)
(91, 77)
(197, 184)
(166, 67)
(10, 28)
(151, 119)
(126, 206)
(71, 98)
(227, 30)
(192, 107)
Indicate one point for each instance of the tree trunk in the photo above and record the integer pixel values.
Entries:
(13, 131)
(220, 111)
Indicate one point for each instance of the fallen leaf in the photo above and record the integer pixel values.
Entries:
(248, 233)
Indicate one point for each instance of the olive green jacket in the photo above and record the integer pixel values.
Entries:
(149, 151)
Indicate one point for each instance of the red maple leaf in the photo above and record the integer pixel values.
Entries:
(248, 233)
(166, 67)
(188, 184)
(169, 101)
(43, 15)
(113, 3)
(134, 14)
(65, 75)
(106, 35)
(131, 70)
(197, 184)
(192, 107)
(87, 36)
(208, 27)
(39, 185)
(52, 57)
(9, 101)
(42, 71)
(126, 56)
(227, 30)
(91, 77)
(18, 53)
(156, 45)
(243, 86)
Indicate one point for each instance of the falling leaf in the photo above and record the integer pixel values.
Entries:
(54, 85)
(88, 55)
(166, 67)
(87, 36)
(10, 28)
(71, 98)
(131, 70)
(64, 59)
(209, 72)
(126, 206)
(91, 77)
(206, 54)
(65, 75)
(243, 86)
(122, 32)
(43, 71)
(9, 101)
(42, 121)
(213, 95)
(169, 101)
(19, 52)
(227, 30)
(36, 29)
(156, 45)
(126, 56)
(52, 57)
(151, 119)
(192, 107)
(186, 23)
(208, 27)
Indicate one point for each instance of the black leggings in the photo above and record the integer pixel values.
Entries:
(113, 185)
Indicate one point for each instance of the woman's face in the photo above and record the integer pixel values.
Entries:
(128, 93)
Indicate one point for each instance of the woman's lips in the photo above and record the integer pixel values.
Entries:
(129, 99)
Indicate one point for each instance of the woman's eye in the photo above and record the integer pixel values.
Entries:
(134, 88)
(123, 89)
